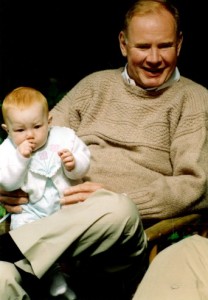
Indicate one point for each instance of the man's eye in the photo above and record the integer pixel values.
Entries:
(166, 45)
(142, 47)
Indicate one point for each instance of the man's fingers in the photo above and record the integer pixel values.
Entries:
(75, 198)
(15, 194)
(83, 187)
(13, 200)
(13, 209)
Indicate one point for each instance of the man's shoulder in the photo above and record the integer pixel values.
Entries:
(103, 75)
(189, 83)
(190, 91)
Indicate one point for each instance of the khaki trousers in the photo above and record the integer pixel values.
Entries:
(107, 217)
(180, 272)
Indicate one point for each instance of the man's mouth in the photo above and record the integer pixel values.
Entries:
(153, 72)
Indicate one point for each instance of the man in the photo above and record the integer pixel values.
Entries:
(145, 126)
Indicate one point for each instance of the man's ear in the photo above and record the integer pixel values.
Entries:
(179, 44)
(122, 43)
(4, 127)
(49, 119)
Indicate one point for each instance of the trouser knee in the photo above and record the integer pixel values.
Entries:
(10, 283)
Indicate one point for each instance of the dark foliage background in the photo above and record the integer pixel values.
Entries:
(51, 45)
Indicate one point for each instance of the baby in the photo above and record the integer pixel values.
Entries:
(40, 159)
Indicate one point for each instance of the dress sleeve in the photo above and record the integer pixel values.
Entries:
(13, 167)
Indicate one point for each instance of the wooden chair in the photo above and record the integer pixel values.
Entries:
(166, 232)
(4, 226)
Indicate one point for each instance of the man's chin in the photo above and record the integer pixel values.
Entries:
(152, 83)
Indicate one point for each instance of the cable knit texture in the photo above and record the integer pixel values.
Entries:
(152, 146)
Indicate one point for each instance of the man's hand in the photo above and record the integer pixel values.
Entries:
(80, 192)
(12, 200)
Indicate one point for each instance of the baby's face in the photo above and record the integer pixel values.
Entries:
(29, 123)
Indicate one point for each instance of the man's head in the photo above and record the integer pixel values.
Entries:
(151, 40)
(26, 116)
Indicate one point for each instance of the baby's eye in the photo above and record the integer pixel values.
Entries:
(37, 126)
(18, 130)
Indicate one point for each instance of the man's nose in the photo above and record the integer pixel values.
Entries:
(154, 55)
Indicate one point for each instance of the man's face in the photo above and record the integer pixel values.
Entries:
(151, 48)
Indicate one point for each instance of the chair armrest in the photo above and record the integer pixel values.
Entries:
(4, 227)
(168, 226)
(158, 234)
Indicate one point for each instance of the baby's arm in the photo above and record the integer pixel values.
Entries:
(78, 163)
(67, 159)
(13, 167)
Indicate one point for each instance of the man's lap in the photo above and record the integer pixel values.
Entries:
(178, 272)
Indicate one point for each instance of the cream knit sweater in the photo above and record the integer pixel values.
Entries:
(152, 146)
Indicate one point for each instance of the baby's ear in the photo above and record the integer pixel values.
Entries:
(4, 127)
(49, 119)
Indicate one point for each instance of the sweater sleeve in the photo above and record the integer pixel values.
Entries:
(13, 167)
(186, 190)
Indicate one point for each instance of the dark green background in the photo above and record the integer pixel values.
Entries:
(51, 45)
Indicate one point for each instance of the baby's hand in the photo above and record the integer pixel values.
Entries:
(67, 159)
(26, 148)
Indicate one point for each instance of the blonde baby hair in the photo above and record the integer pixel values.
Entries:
(23, 97)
